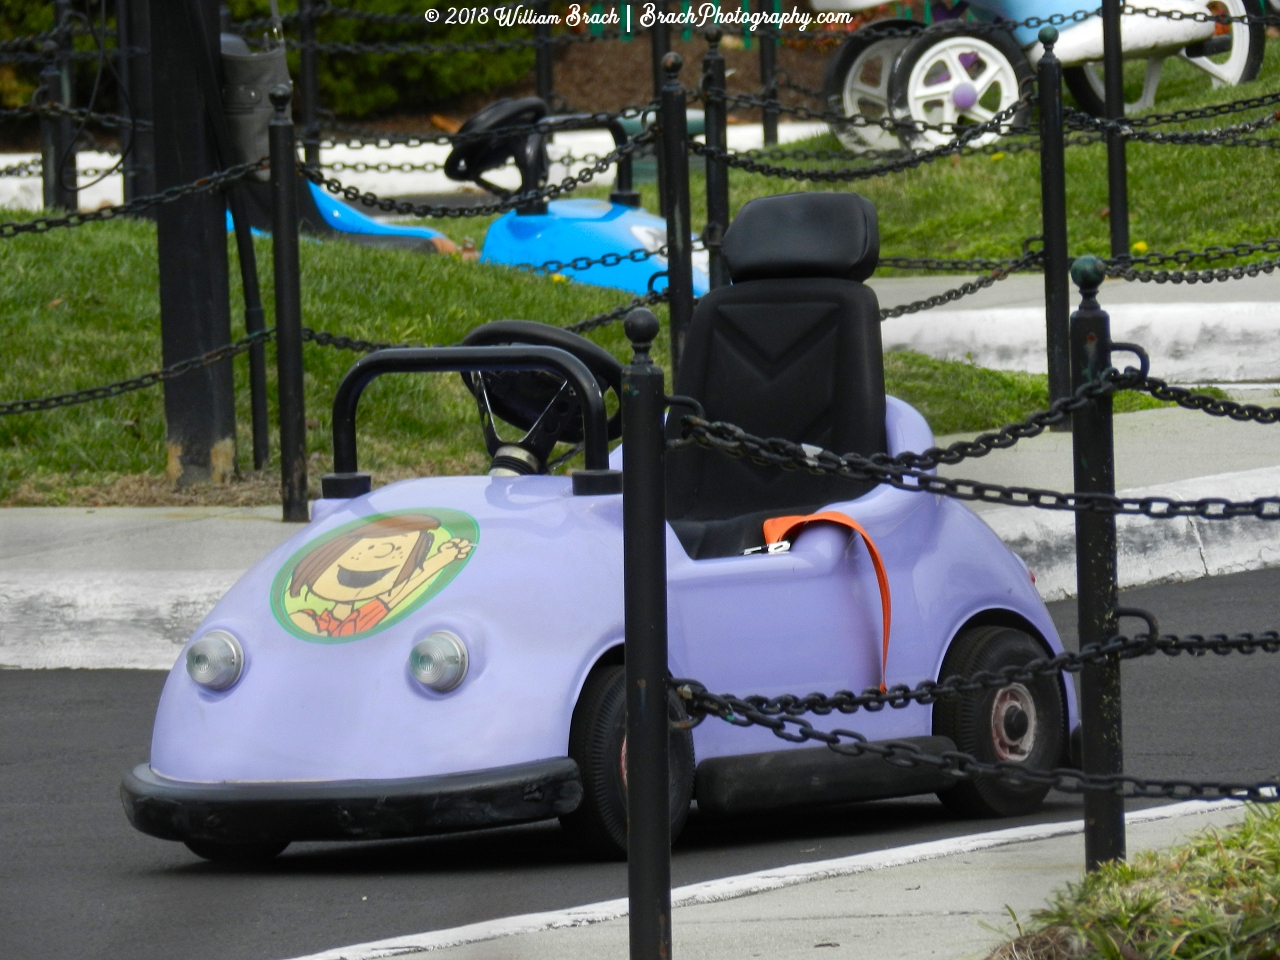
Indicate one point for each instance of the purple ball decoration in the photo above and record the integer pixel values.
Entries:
(964, 96)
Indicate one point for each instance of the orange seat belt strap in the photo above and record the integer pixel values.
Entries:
(781, 528)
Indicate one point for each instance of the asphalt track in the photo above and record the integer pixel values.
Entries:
(77, 882)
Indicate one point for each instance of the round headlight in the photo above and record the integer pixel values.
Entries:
(215, 660)
(439, 661)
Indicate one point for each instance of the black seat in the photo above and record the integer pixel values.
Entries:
(791, 349)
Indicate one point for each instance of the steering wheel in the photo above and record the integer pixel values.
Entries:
(542, 404)
(469, 161)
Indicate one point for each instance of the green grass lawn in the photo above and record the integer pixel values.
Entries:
(80, 308)
(1216, 897)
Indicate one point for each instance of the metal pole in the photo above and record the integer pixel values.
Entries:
(67, 180)
(769, 75)
(644, 564)
(713, 93)
(140, 160)
(207, 73)
(53, 146)
(659, 45)
(544, 79)
(310, 78)
(284, 236)
(1094, 455)
(675, 160)
(1053, 208)
(1117, 174)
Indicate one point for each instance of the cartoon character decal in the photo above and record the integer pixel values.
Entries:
(368, 574)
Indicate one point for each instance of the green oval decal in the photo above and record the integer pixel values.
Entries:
(368, 574)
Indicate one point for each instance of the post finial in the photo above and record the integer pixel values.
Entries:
(281, 96)
(714, 35)
(641, 328)
(672, 63)
(49, 50)
(1087, 273)
(1048, 37)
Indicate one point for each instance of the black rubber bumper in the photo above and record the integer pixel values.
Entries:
(349, 809)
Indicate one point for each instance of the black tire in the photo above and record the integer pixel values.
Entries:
(1001, 40)
(1092, 102)
(970, 721)
(237, 854)
(841, 65)
(596, 738)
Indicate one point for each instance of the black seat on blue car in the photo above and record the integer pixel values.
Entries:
(791, 349)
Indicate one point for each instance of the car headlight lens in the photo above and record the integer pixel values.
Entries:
(439, 661)
(215, 660)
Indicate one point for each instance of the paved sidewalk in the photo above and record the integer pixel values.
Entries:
(949, 900)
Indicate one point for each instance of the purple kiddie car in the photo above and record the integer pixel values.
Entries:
(444, 654)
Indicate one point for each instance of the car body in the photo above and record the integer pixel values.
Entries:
(315, 723)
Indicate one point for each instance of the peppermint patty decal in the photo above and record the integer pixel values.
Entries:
(368, 574)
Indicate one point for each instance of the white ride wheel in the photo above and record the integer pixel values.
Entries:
(857, 82)
(956, 74)
(1237, 64)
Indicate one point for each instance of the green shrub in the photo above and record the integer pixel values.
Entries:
(356, 85)
(352, 85)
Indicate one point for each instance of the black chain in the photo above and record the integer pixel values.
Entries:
(963, 137)
(549, 192)
(912, 471)
(78, 114)
(1205, 403)
(618, 313)
(963, 766)
(214, 181)
(137, 383)
(1002, 271)
(30, 168)
(701, 703)
(1120, 268)
(358, 137)
(450, 47)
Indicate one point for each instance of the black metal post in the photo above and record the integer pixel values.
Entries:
(134, 32)
(207, 72)
(1117, 172)
(58, 181)
(1053, 207)
(1094, 455)
(67, 172)
(310, 80)
(195, 315)
(644, 564)
(659, 45)
(713, 99)
(675, 160)
(544, 79)
(769, 74)
(284, 236)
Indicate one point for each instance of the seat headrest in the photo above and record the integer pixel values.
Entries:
(803, 235)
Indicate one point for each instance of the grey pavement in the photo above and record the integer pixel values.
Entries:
(954, 907)
(1027, 290)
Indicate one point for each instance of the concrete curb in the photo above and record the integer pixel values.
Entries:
(1151, 551)
(1187, 342)
(139, 619)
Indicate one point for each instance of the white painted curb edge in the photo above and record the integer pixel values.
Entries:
(729, 888)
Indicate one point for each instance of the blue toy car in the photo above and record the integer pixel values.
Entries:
(447, 653)
(562, 230)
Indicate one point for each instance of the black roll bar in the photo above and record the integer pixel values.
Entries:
(346, 480)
